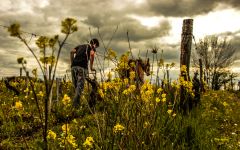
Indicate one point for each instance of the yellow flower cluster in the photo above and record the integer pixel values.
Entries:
(225, 104)
(26, 90)
(122, 66)
(100, 92)
(114, 84)
(51, 135)
(111, 54)
(118, 128)
(129, 90)
(183, 69)
(66, 99)
(159, 90)
(69, 139)
(187, 85)
(88, 143)
(132, 75)
(18, 105)
(65, 128)
(146, 91)
(66, 136)
(170, 112)
(40, 94)
(146, 124)
(163, 98)
(175, 84)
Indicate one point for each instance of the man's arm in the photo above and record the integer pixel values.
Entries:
(72, 52)
(92, 53)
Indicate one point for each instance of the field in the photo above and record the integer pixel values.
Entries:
(125, 117)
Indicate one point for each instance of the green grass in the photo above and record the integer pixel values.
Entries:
(147, 124)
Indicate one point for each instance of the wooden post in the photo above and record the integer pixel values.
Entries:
(49, 72)
(21, 72)
(186, 44)
(168, 82)
(201, 76)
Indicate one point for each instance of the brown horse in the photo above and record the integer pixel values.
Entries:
(139, 67)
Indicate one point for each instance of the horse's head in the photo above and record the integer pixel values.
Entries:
(146, 67)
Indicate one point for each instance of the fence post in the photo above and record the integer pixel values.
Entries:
(21, 72)
(186, 44)
(201, 76)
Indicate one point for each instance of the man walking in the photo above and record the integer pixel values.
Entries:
(79, 57)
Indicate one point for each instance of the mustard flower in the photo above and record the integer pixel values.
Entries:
(157, 100)
(169, 111)
(66, 99)
(18, 105)
(71, 140)
(100, 92)
(163, 95)
(118, 128)
(132, 75)
(225, 104)
(164, 99)
(51, 135)
(146, 124)
(65, 128)
(88, 142)
(159, 90)
(26, 90)
(40, 94)
(126, 81)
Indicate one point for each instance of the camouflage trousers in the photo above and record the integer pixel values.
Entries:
(78, 79)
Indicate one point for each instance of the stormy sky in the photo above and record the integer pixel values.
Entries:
(150, 23)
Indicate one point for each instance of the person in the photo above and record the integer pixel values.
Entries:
(80, 56)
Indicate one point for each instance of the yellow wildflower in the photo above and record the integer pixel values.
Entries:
(157, 100)
(159, 90)
(88, 142)
(169, 111)
(71, 140)
(51, 135)
(146, 124)
(40, 94)
(18, 105)
(132, 75)
(100, 92)
(65, 128)
(225, 104)
(132, 88)
(26, 90)
(164, 99)
(117, 128)
(183, 69)
(163, 95)
(126, 80)
(66, 99)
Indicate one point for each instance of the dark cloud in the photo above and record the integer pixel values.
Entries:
(103, 16)
(182, 8)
